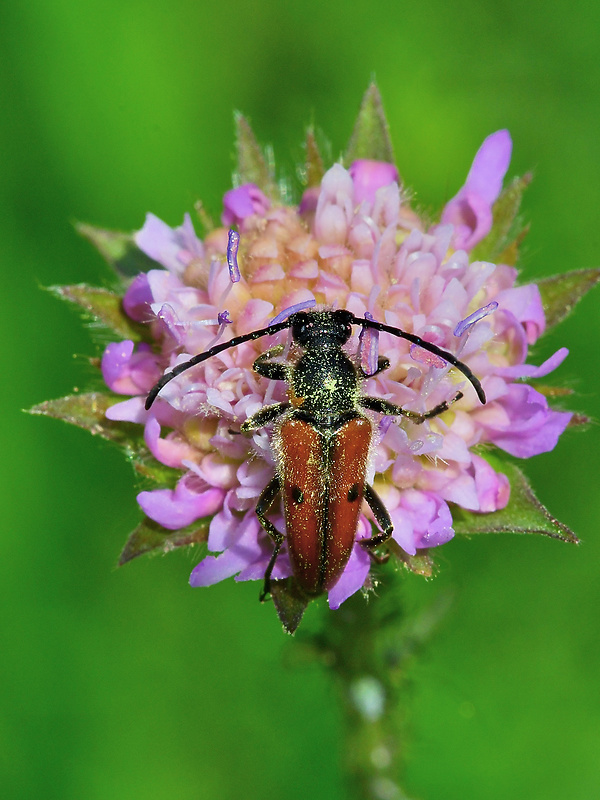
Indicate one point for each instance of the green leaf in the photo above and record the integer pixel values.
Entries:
(119, 249)
(523, 514)
(105, 307)
(561, 293)
(150, 537)
(371, 135)
(252, 165)
(501, 245)
(290, 603)
(314, 168)
(88, 411)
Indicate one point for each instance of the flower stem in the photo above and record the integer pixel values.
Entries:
(368, 645)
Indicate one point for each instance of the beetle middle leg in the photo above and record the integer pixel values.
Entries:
(392, 410)
(382, 364)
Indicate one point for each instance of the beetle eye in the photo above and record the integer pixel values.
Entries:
(299, 326)
(343, 321)
(344, 333)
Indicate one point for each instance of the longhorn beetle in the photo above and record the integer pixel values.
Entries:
(321, 441)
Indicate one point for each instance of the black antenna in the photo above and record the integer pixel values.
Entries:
(432, 348)
(218, 348)
(288, 323)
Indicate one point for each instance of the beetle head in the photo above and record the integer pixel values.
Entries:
(314, 328)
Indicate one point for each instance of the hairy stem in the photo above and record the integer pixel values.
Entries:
(368, 646)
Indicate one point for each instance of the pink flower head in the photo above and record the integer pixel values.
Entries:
(470, 211)
(356, 245)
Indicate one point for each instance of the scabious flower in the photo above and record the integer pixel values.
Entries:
(352, 241)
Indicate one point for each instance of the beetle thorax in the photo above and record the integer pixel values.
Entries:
(324, 384)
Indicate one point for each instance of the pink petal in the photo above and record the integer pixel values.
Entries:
(243, 202)
(174, 248)
(179, 507)
(531, 371)
(131, 410)
(356, 571)
(532, 428)
(128, 372)
(493, 488)
(335, 206)
(137, 299)
(470, 211)
(169, 451)
(369, 176)
(213, 569)
(525, 303)
(352, 578)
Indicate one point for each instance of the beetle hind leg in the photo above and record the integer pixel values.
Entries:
(265, 501)
(384, 521)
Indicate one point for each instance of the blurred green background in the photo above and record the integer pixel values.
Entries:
(126, 683)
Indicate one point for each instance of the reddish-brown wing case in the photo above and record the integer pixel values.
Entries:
(323, 482)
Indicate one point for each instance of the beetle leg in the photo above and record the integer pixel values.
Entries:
(392, 410)
(264, 416)
(265, 501)
(270, 369)
(382, 363)
(384, 521)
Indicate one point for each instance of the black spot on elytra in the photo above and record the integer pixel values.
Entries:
(297, 494)
(353, 493)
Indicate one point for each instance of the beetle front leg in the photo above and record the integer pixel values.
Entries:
(273, 370)
(265, 501)
(392, 410)
(264, 416)
(383, 519)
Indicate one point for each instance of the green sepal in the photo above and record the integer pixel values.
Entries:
(105, 307)
(88, 410)
(314, 168)
(371, 135)
(290, 603)
(561, 293)
(207, 224)
(252, 165)
(421, 563)
(579, 420)
(551, 391)
(523, 514)
(118, 248)
(501, 245)
(150, 537)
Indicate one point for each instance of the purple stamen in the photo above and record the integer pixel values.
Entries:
(368, 348)
(233, 242)
(425, 357)
(469, 321)
(287, 312)
(222, 320)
